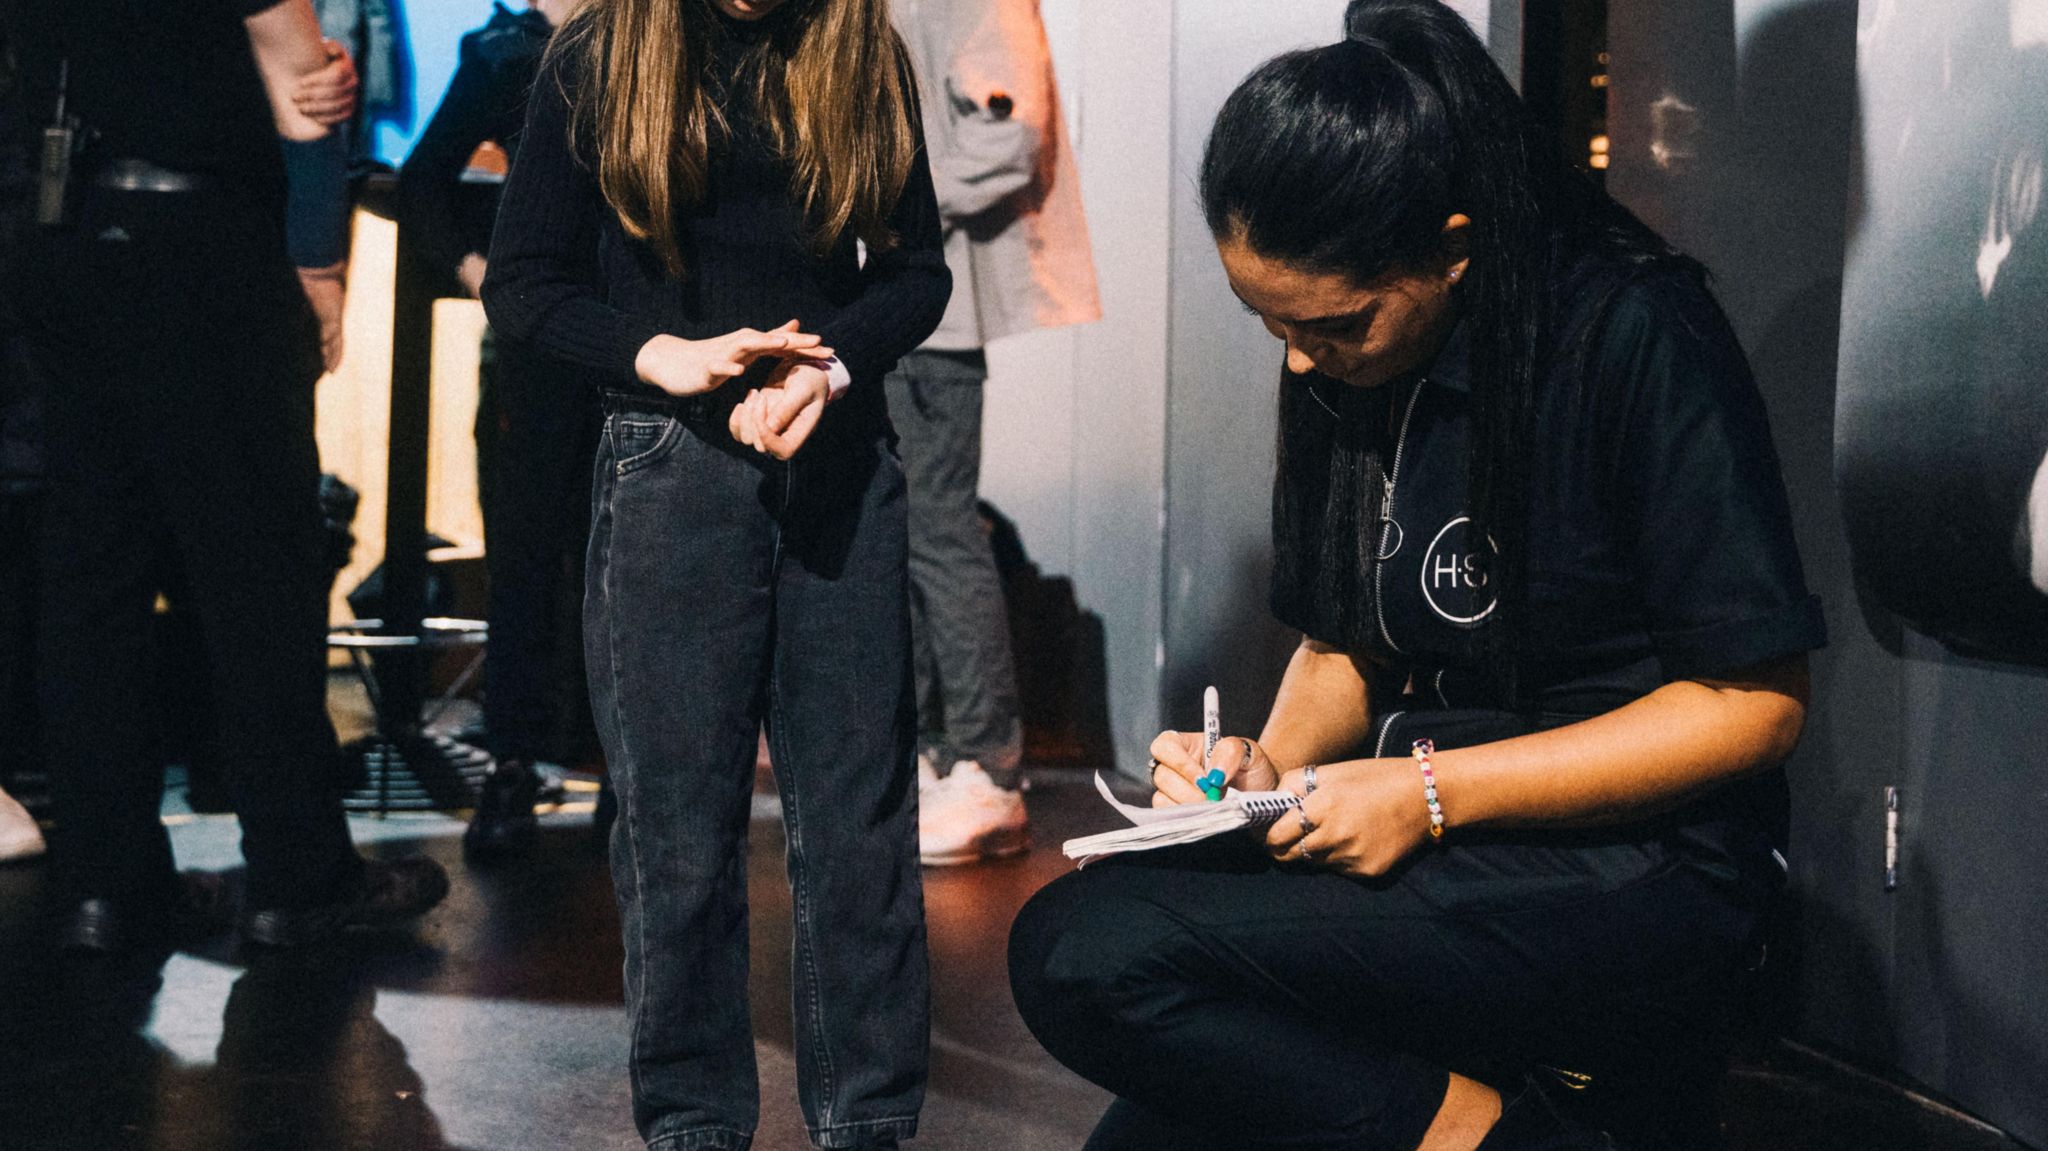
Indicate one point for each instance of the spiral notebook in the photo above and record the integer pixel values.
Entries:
(1153, 827)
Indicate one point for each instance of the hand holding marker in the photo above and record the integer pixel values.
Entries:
(1212, 731)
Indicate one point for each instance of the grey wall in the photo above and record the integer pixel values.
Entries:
(1225, 371)
(1798, 170)
(1075, 423)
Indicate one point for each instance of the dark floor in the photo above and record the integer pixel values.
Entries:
(498, 1026)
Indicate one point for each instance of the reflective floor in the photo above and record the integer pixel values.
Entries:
(497, 1024)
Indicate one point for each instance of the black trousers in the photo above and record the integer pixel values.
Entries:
(180, 359)
(537, 427)
(1231, 1002)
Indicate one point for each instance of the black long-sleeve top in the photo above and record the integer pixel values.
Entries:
(564, 275)
(486, 100)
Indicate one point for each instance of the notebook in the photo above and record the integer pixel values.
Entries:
(1153, 827)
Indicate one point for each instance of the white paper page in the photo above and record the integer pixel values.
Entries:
(1144, 815)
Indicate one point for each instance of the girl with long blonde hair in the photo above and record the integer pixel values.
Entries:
(723, 208)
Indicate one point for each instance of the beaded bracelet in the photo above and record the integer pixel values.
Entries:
(1425, 748)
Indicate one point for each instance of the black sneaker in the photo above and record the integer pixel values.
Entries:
(391, 895)
(504, 824)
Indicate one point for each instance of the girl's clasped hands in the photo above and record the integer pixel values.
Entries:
(775, 418)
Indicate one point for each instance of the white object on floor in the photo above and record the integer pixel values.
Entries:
(20, 838)
(965, 817)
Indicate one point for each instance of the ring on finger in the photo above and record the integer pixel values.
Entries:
(1308, 826)
(1308, 780)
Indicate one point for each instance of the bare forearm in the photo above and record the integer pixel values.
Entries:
(1647, 757)
(1322, 711)
(286, 40)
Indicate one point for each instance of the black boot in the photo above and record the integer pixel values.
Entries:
(389, 895)
(503, 824)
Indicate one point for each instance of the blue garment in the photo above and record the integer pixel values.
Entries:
(727, 591)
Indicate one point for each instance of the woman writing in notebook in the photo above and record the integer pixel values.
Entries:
(1528, 518)
(682, 219)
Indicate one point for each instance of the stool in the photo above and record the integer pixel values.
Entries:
(400, 765)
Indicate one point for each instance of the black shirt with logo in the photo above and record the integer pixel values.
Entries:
(1660, 537)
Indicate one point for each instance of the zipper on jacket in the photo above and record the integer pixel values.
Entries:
(1379, 599)
(1379, 747)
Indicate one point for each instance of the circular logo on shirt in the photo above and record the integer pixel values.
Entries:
(1455, 582)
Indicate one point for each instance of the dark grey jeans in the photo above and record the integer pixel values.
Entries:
(725, 590)
(966, 680)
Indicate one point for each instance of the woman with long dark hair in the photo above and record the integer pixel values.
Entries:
(1529, 520)
(683, 218)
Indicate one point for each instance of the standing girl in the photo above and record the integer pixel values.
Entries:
(685, 217)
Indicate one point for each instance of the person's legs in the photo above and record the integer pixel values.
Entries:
(935, 400)
(537, 424)
(543, 416)
(676, 629)
(93, 665)
(1129, 1127)
(1281, 1007)
(240, 481)
(842, 730)
(967, 691)
(97, 530)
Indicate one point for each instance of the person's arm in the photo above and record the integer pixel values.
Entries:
(903, 289)
(541, 285)
(424, 202)
(1645, 758)
(1323, 709)
(329, 95)
(285, 39)
(1642, 759)
(994, 103)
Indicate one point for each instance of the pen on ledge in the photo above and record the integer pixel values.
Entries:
(1212, 731)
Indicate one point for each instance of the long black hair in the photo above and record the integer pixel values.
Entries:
(1350, 158)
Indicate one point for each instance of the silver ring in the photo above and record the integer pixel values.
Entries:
(1251, 750)
(1308, 827)
(1308, 779)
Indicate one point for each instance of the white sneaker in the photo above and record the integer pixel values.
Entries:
(20, 838)
(965, 818)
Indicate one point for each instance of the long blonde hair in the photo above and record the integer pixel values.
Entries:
(832, 93)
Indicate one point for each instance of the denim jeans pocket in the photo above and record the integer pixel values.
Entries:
(640, 440)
